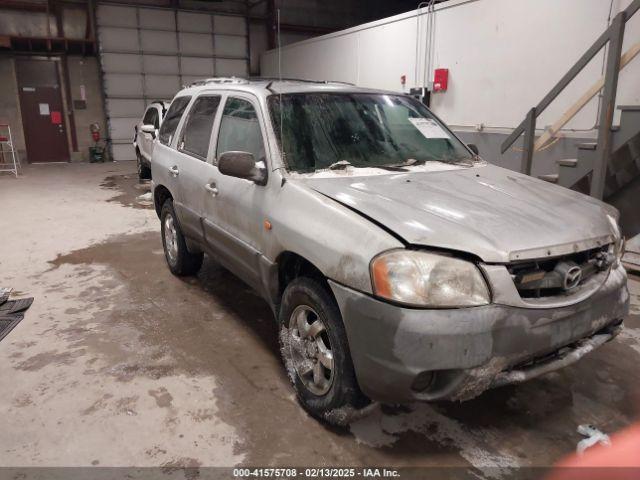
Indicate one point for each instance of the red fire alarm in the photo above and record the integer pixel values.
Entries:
(440, 79)
(56, 117)
(403, 79)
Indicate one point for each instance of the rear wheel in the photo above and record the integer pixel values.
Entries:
(180, 260)
(314, 349)
(144, 172)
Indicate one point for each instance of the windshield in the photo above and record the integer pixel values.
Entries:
(329, 130)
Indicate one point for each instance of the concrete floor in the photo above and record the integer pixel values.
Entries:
(118, 363)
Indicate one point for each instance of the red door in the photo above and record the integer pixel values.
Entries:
(41, 107)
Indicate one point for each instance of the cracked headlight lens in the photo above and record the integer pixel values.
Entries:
(428, 279)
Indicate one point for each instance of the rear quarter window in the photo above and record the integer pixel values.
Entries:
(172, 119)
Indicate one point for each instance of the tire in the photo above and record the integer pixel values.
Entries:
(144, 171)
(309, 300)
(181, 262)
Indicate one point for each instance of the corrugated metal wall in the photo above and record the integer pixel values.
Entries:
(150, 53)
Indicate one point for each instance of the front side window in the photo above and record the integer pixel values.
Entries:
(196, 132)
(240, 129)
(365, 130)
(151, 117)
(172, 119)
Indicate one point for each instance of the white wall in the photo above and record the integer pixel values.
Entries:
(503, 56)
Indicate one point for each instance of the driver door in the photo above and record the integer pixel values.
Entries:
(234, 212)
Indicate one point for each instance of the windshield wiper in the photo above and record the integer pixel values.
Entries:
(340, 165)
(410, 162)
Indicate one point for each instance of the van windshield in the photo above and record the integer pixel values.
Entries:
(325, 130)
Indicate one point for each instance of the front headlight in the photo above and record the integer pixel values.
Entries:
(618, 251)
(428, 280)
(618, 242)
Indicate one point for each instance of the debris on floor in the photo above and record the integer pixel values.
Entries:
(594, 436)
(4, 294)
(11, 311)
(145, 199)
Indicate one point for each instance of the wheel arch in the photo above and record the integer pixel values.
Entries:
(291, 265)
(160, 195)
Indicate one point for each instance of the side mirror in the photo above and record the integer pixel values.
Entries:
(149, 129)
(242, 165)
(474, 148)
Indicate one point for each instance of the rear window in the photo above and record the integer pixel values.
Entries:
(172, 119)
(198, 125)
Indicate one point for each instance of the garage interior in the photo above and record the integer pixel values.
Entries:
(118, 363)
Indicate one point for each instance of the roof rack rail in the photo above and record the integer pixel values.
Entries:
(223, 80)
(304, 80)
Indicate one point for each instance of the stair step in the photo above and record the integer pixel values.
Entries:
(629, 127)
(568, 162)
(587, 146)
(550, 177)
(629, 107)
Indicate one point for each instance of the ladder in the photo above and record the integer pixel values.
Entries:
(9, 160)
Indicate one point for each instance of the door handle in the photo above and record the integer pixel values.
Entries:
(174, 171)
(211, 188)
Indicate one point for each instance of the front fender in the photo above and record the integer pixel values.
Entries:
(337, 240)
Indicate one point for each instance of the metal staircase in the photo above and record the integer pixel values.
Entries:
(600, 166)
(608, 168)
(624, 161)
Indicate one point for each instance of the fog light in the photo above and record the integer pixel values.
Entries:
(422, 381)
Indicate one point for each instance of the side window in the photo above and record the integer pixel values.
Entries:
(240, 129)
(149, 116)
(172, 119)
(197, 128)
(156, 118)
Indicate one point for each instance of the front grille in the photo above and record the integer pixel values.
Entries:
(557, 276)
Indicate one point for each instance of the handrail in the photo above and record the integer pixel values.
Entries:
(612, 35)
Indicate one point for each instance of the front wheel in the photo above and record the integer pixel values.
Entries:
(180, 260)
(315, 352)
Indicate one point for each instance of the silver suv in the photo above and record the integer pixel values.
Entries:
(398, 264)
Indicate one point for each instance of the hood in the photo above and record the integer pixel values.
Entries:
(491, 212)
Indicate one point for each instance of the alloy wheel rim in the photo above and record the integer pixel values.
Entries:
(310, 350)
(170, 239)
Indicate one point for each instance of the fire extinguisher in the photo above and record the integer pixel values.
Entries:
(96, 153)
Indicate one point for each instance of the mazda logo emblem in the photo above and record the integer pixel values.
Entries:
(572, 278)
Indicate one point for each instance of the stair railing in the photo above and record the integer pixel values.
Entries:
(613, 36)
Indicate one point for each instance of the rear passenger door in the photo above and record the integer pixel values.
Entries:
(196, 171)
(234, 212)
(164, 168)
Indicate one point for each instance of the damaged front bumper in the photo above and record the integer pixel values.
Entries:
(403, 354)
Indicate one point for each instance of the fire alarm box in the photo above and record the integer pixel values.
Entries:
(440, 79)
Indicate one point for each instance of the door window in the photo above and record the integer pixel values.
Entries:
(151, 117)
(156, 119)
(240, 129)
(196, 132)
(172, 119)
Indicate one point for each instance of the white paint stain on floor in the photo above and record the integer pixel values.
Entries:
(480, 447)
